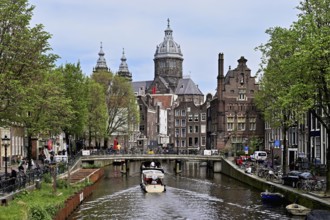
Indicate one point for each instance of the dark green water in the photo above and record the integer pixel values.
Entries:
(194, 194)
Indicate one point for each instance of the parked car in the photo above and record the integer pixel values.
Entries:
(292, 177)
(259, 156)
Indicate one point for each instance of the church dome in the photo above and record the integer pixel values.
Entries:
(168, 48)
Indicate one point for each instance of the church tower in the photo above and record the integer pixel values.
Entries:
(123, 68)
(168, 61)
(101, 64)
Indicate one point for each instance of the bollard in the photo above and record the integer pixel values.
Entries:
(38, 184)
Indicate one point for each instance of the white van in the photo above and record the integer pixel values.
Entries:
(259, 156)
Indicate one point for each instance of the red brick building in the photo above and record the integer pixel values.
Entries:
(233, 119)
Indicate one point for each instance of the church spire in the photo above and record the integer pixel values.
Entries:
(101, 64)
(123, 68)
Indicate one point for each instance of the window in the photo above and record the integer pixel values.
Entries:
(183, 112)
(190, 129)
(177, 112)
(196, 117)
(190, 118)
(253, 124)
(183, 132)
(241, 95)
(203, 129)
(183, 122)
(230, 126)
(196, 144)
(317, 147)
(203, 117)
(203, 141)
(183, 143)
(190, 142)
(177, 132)
(196, 129)
(177, 122)
(230, 123)
(141, 128)
(241, 124)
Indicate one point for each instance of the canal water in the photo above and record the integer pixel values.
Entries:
(196, 193)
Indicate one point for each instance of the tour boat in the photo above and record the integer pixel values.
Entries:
(152, 177)
(272, 197)
(296, 209)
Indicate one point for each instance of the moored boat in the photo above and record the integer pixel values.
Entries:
(272, 197)
(296, 209)
(152, 177)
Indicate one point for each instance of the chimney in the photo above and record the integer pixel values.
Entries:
(220, 65)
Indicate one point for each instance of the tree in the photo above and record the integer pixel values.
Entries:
(97, 112)
(76, 89)
(45, 108)
(24, 55)
(25, 62)
(104, 78)
(301, 53)
(121, 104)
(275, 97)
(123, 114)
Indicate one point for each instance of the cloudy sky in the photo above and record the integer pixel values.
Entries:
(202, 28)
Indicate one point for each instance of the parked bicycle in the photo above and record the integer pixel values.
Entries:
(274, 176)
(309, 185)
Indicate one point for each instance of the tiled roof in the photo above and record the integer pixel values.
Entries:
(138, 85)
(187, 87)
(166, 100)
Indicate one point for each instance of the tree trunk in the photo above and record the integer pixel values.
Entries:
(284, 165)
(29, 151)
(327, 192)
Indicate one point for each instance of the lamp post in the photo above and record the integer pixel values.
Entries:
(271, 142)
(177, 142)
(6, 142)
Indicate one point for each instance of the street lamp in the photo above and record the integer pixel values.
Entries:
(177, 142)
(6, 142)
(271, 142)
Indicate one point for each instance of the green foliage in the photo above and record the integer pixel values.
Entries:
(90, 166)
(296, 71)
(38, 213)
(123, 114)
(61, 183)
(38, 204)
(76, 90)
(24, 57)
(61, 167)
(97, 111)
(47, 178)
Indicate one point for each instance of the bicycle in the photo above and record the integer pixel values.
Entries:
(274, 176)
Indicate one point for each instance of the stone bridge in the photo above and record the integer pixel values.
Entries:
(213, 161)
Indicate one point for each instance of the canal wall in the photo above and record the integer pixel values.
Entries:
(72, 203)
(229, 168)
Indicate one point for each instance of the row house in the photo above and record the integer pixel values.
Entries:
(234, 122)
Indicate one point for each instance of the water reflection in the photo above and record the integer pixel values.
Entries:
(194, 194)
